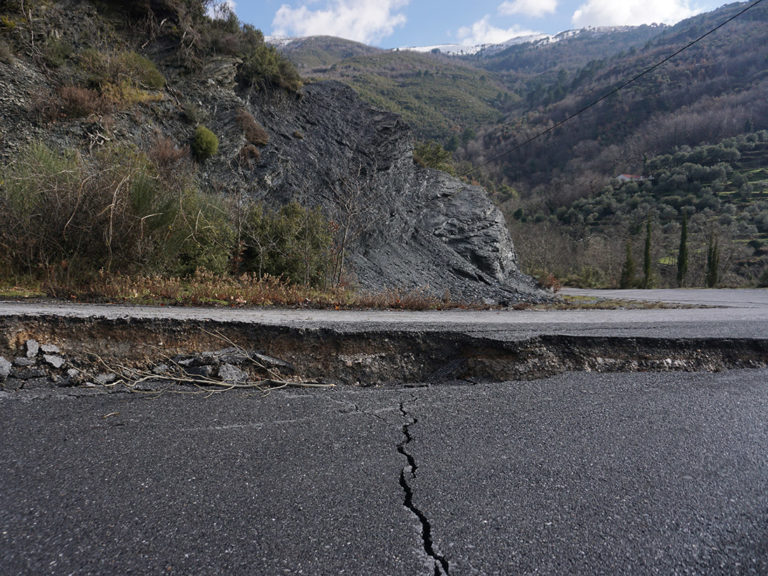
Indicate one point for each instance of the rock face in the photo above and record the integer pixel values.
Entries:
(407, 227)
(412, 227)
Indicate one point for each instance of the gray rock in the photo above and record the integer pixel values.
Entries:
(54, 361)
(160, 369)
(232, 374)
(104, 379)
(5, 369)
(32, 347)
(50, 349)
(28, 373)
(75, 376)
(23, 362)
(415, 228)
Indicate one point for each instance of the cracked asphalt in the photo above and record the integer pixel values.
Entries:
(644, 473)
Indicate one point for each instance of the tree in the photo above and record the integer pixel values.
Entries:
(682, 253)
(713, 262)
(627, 279)
(647, 265)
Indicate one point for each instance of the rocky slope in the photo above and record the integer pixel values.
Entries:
(405, 226)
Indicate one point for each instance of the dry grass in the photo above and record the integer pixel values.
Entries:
(207, 289)
(254, 132)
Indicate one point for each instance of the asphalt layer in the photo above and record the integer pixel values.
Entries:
(738, 314)
(582, 474)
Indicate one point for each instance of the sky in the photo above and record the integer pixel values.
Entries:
(402, 23)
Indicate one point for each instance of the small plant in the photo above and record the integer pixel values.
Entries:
(432, 155)
(141, 70)
(193, 114)
(254, 132)
(56, 52)
(205, 144)
(6, 56)
(77, 101)
(248, 156)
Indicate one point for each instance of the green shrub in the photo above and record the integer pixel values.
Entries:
(432, 155)
(67, 217)
(56, 52)
(141, 70)
(293, 243)
(205, 144)
(264, 65)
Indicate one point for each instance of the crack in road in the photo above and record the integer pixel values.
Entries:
(409, 473)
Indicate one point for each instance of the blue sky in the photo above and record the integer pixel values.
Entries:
(399, 23)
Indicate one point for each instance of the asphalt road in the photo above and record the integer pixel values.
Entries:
(738, 314)
(577, 474)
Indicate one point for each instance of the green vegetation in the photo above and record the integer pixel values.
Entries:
(433, 155)
(205, 143)
(438, 96)
(682, 253)
(713, 262)
(294, 243)
(66, 216)
(627, 279)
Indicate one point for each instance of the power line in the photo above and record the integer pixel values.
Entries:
(610, 93)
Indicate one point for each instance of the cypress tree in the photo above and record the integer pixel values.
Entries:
(627, 279)
(647, 271)
(713, 262)
(682, 254)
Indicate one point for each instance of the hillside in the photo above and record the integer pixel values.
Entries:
(314, 52)
(708, 94)
(486, 105)
(148, 139)
(439, 96)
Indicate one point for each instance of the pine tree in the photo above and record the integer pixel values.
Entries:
(713, 262)
(627, 279)
(682, 254)
(647, 271)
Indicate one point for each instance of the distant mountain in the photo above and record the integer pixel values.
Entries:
(320, 51)
(482, 49)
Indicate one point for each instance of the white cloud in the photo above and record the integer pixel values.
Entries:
(630, 12)
(533, 8)
(367, 21)
(483, 32)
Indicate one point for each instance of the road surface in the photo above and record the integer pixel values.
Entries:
(582, 473)
(577, 474)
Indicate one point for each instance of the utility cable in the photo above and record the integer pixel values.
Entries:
(610, 93)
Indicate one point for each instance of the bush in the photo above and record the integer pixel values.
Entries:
(264, 65)
(293, 243)
(76, 101)
(6, 55)
(67, 217)
(141, 70)
(254, 132)
(205, 144)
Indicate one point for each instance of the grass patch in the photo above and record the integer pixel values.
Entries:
(208, 289)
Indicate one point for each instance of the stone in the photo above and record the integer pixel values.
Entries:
(160, 369)
(23, 362)
(50, 349)
(104, 379)
(232, 374)
(32, 347)
(54, 361)
(5, 369)
(28, 373)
